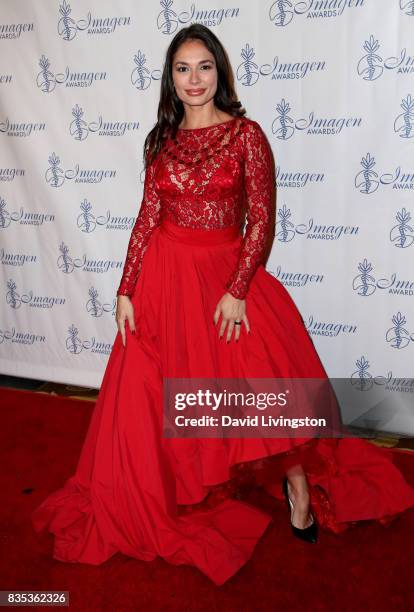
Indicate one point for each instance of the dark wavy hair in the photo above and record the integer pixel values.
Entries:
(171, 108)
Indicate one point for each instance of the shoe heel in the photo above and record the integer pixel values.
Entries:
(308, 534)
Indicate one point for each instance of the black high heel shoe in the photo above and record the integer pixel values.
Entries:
(308, 534)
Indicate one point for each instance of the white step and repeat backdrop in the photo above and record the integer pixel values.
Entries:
(332, 84)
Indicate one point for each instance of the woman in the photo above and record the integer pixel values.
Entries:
(195, 301)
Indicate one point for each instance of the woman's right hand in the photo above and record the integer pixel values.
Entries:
(124, 310)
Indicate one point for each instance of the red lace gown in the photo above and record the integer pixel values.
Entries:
(135, 491)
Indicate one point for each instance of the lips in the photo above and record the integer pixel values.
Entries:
(194, 92)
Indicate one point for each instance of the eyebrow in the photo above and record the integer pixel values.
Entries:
(200, 62)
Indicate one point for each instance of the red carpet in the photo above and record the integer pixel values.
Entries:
(369, 567)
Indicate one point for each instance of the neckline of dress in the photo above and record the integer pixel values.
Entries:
(207, 127)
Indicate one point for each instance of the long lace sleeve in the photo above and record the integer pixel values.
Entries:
(259, 188)
(147, 220)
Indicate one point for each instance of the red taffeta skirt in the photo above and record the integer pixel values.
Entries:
(142, 494)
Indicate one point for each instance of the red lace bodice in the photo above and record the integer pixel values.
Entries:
(210, 177)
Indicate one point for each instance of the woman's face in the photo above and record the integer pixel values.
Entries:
(194, 73)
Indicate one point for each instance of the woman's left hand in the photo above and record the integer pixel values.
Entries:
(231, 310)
